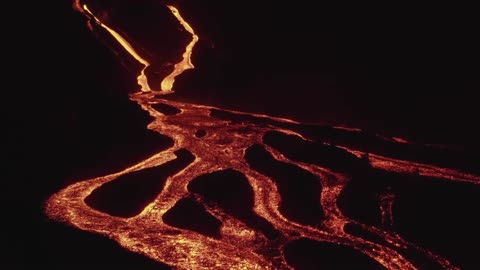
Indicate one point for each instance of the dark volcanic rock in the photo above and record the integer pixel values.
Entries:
(439, 215)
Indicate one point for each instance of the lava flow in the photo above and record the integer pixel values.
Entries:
(167, 82)
(235, 190)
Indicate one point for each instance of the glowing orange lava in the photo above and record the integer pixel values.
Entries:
(167, 83)
(142, 79)
(147, 234)
(224, 146)
(186, 63)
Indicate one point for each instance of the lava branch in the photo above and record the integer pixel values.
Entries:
(142, 79)
(186, 62)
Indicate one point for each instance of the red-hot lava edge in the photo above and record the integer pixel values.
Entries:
(215, 144)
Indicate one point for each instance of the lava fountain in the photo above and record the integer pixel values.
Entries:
(237, 189)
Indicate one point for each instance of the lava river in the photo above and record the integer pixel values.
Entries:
(240, 190)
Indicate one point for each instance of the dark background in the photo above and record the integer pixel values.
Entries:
(399, 69)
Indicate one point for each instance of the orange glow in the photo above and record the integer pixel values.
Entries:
(224, 146)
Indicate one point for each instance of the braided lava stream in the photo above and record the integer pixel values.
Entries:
(235, 190)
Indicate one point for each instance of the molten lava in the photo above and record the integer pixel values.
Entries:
(167, 83)
(186, 63)
(243, 144)
(142, 79)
